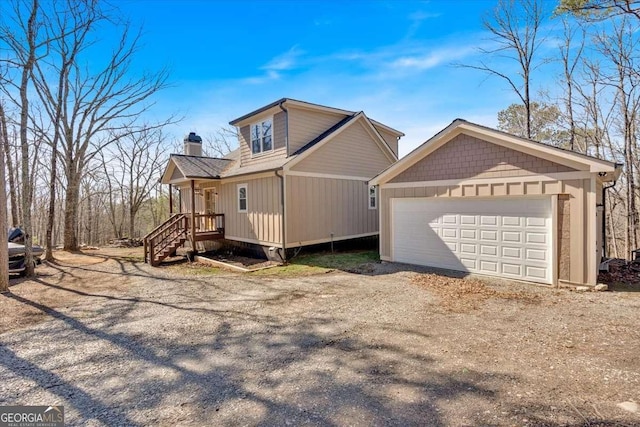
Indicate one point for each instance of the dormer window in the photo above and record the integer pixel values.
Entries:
(262, 136)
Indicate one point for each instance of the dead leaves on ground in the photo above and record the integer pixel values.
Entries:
(462, 295)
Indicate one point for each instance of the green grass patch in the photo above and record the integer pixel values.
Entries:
(319, 263)
(197, 269)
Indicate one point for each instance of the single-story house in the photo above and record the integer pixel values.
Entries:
(479, 200)
(299, 177)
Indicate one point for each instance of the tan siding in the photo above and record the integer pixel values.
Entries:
(599, 214)
(305, 125)
(279, 130)
(317, 207)
(389, 138)
(280, 149)
(262, 221)
(576, 190)
(468, 157)
(176, 174)
(353, 153)
(185, 197)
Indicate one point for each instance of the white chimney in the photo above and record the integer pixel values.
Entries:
(192, 145)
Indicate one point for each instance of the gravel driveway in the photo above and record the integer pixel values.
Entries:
(119, 343)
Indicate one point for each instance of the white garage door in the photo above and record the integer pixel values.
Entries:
(502, 237)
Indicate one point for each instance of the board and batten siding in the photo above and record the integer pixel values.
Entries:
(279, 141)
(185, 198)
(262, 222)
(577, 190)
(317, 207)
(353, 152)
(305, 125)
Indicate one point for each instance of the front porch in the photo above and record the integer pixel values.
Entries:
(179, 228)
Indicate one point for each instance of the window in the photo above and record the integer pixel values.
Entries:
(373, 197)
(261, 137)
(242, 197)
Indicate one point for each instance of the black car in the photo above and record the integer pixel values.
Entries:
(17, 263)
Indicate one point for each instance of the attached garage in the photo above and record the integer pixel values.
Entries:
(481, 201)
(502, 237)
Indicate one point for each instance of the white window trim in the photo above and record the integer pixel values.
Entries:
(375, 197)
(246, 198)
(273, 142)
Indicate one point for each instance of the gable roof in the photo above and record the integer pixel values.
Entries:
(325, 134)
(334, 131)
(194, 167)
(308, 105)
(569, 158)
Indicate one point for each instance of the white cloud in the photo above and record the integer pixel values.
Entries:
(434, 58)
(284, 61)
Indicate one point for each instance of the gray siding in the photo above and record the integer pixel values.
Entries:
(317, 207)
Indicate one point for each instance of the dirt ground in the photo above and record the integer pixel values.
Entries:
(120, 343)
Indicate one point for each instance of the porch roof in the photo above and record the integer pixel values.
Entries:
(181, 167)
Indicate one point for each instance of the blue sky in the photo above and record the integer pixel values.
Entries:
(391, 59)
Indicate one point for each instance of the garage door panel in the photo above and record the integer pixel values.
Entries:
(489, 250)
(488, 235)
(488, 220)
(468, 220)
(511, 269)
(468, 248)
(511, 252)
(536, 238)
(539, 272)
(506, 237)
(536, 222)
(512, 236)
(450, 219)
(469, 234)
(536, 254)
(449, 233)
(489, 266)
(511, 221)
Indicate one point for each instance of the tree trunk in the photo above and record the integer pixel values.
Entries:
(72, 194)
(27, 190)
(10, 172)
(4, 252)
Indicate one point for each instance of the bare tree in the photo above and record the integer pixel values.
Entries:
(100, 107)
(570, 55)
(23, 46)
(10, 172)
(515, 27)
(600, 9)
(72, 24)
(4, 252)
(135, 165)
(619, 47)
(221, 142)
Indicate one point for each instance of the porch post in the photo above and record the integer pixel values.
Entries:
(170, 199)
(193, 216)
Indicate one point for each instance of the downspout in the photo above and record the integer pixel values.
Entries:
(286, 125)
(282, 252)
(604, 219)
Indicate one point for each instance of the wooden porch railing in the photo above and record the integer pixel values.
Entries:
(208, 222)
(163, 240)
